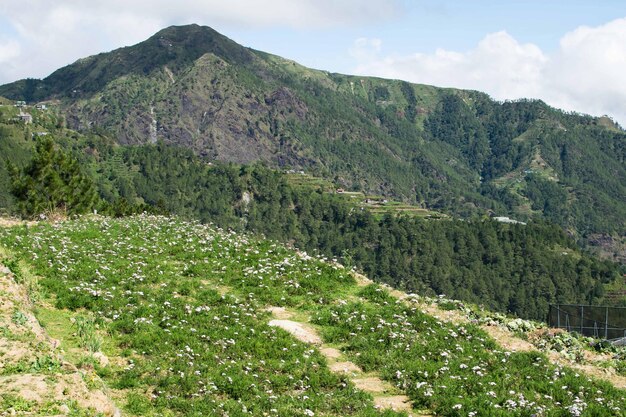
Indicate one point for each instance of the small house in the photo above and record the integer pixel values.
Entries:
(25, 117)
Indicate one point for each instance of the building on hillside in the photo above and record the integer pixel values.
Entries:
(503, 219)
(25, 117)
(41, 107)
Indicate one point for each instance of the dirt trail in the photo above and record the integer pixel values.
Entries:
(382, 391)
(24, 341)
(509, 341)
(506, 339)
(300, 331)
(10, 222)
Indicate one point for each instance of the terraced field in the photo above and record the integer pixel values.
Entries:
(173, 318)
(376, 204)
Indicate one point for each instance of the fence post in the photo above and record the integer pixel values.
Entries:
(582, 318)
(606, 325)
(558, 316)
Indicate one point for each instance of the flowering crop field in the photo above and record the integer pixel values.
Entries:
(182, 307)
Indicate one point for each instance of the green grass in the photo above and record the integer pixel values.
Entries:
(187, 349)
(192, 349)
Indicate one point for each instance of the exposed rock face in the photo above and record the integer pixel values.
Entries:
(206, 109)
(609, 247)
(285, 100)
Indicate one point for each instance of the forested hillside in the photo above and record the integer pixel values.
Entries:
(507, 267)
(206, 102)
(444, 149)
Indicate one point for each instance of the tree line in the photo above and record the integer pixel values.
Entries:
(506, 267)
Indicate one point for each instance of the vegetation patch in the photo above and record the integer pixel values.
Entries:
(185, 348)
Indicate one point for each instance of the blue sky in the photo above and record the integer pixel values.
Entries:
(423, 26)
(568, 53)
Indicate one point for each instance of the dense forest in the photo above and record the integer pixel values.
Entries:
(506, 267)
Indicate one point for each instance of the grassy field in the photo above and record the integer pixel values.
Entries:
(181, 312)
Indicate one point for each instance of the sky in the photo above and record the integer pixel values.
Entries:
(571, 54)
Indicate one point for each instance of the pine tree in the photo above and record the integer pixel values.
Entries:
(52, 181)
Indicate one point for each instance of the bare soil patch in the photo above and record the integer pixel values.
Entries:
(344, 367)
(27, 341)
(280, 313)
(381, 391)
(331, 353)
(372, 384)
(300, 331)
(395, 403)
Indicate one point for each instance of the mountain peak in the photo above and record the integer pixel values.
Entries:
(195, 41)
(188, 36)
(175, 46)
(184, 30)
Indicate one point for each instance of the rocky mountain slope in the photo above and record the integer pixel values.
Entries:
(451, 150)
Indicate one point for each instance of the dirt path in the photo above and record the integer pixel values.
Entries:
(300, 331)
(511, 342)
(506, 339)
(384, 393)
(10, 222)
(24, 342)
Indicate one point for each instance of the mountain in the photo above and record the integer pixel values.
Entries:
(452, 150)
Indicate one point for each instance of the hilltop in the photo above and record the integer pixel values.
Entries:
(443, 149)
(164, 317)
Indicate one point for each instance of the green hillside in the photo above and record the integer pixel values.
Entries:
(170, 318)
(509, 268)
(443, 149)
(279, 182)
(440, 154)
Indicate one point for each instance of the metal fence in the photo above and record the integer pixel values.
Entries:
(594, 321)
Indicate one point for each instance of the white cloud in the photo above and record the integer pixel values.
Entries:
(585, 74)
(365, 49)
(589, 71)
(50, 34)
(499, 64)
(9, 52)
(9, 49)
